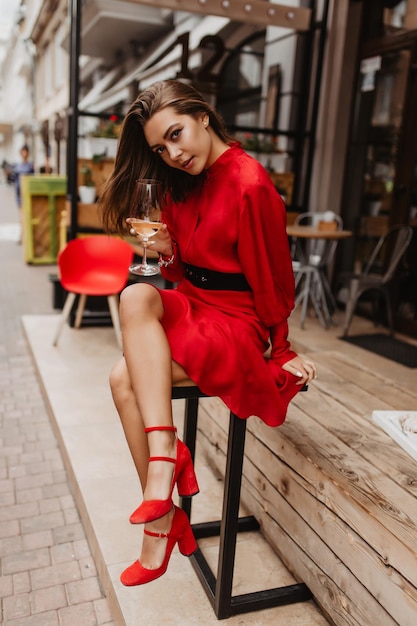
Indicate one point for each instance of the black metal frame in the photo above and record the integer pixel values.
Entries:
(219, 589)
(74, 113)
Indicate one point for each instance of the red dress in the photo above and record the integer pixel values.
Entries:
(234, 222)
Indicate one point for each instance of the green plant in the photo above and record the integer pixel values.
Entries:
(87, 174)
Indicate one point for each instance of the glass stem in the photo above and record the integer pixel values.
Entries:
(144, 246)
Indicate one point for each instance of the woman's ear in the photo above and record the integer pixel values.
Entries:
(205, 120)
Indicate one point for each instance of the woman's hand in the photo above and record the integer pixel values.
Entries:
(161, 242)
(303, 368)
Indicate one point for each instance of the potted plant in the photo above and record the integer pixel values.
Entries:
(87, 190)
(104, 138)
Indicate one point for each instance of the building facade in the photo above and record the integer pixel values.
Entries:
(322, 92)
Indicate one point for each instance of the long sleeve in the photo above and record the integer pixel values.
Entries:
(264, 253)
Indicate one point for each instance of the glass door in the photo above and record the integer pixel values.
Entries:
(382, 170)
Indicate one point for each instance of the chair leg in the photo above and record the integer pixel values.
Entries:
(389, 311)
(64, 316)
(304, 295)
(80, 310)
(114, 312)
(350, 305)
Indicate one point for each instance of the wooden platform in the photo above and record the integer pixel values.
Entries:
(334, 494)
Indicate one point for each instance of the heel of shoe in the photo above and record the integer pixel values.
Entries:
(187, 544)
(187, 481)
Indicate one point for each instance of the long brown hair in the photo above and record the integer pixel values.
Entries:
(135, 159)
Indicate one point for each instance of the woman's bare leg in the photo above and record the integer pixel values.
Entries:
(131, 419)
(141, 388)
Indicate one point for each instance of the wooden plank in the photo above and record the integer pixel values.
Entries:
(300, 545)
(259, 12)
(359, 557)
(353, 489)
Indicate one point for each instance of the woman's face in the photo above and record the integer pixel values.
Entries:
(182, 141)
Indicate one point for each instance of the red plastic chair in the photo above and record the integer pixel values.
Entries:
(93, 266)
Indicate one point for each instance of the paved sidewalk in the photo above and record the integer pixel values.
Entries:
(48, 577)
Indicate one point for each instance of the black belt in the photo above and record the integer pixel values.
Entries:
(217, 281)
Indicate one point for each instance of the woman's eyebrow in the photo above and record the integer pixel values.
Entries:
(167, 132)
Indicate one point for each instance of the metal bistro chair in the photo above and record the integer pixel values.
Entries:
(311, 260)
(393, 243)
(93, 266)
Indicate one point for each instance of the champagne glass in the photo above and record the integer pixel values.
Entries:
(145, 220)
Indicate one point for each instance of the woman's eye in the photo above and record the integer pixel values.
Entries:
(176, 134)
(159, 150)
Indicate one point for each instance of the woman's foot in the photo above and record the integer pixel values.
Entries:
(154, 548)
(157, 548)
(169, 463)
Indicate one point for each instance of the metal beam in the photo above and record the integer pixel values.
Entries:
(251, 11)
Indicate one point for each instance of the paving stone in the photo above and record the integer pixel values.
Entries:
(11, 545)
(17, 471)
(50, 491)
(29, 495)
(102, 612)
(39, 480)
(58, 574)
(49, 598)
(67, 502)
(7, 499)
(71, 516)
(83, 591)
(32, 458)
(16, 606)
(42, 522)
(87, 567)
(21, 582)
(41, 539)
(82, 548)
(19, 511)
(78, 614)
(6, 586)
(69, 532)
(42, 619)
(50, 505)
(6, 485)
(62, 553)
(29, 560)
(9, 528)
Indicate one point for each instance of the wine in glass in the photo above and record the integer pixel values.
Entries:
(145, 220)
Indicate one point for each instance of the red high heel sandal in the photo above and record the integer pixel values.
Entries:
(184, 476)
(180, 532)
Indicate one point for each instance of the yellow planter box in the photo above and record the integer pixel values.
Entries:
(43, 201)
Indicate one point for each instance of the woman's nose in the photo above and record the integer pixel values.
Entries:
(174, 152)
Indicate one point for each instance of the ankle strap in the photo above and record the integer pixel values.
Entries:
(161, 535)
(152, 428)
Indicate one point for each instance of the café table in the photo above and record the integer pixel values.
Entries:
(313, 268)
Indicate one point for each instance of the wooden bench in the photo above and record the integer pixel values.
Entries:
(332, 493)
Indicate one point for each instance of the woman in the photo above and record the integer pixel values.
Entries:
(224, 241)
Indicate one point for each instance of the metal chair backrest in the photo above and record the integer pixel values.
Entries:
(393, 243)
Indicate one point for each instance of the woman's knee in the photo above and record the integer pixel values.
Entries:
(119, 380)
(138, 301)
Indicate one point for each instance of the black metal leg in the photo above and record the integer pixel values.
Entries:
(230, 515)
(219, 589)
